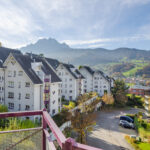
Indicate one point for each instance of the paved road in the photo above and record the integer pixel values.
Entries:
(107, 134)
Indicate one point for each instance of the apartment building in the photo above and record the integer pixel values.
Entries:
(30, 84)
(95, 80)
(72, 81)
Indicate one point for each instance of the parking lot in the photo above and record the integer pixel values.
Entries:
(107, 134)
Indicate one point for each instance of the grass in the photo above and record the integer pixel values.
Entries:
(144, 146)
(131, 72)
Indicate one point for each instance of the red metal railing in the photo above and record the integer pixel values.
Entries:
(65, 144)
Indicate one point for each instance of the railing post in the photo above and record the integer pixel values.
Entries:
(68, 145)
(43, 136)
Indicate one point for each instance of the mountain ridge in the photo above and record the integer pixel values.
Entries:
(87, 56)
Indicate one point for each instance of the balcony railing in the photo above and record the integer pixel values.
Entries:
(47, 143)
(46, 80)
(46, 91)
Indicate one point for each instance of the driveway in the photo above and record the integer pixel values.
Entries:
(107, 134)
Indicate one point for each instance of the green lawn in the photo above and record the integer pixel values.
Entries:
(144, 146)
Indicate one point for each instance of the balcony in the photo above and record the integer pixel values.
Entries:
(39, 137)
(46, 91)
(46, 80)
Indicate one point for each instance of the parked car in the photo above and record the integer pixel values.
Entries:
(127, 118)
(126, 124)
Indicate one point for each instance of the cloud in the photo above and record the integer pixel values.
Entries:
(81, 22)
(104, 41)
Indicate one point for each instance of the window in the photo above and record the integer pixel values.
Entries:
(70, 85)
(59, 73)
(19, 96)
(27, 96)
(95, 86)
(53, 111)
(19, 84)
(20, 73)
(27, 84)
(14, 73)
(19, 107)
(2, 88)
(70, 97)
(10, 95)
(10, 84)
(54, 102)
(70, 79)
(10, 105)
(70, 91)
(9, 73)
(66, 73)
(65, 80)
(53, 92)
(2, 78)
(65, 85)
(104, 86)
(66, 91)
(27, 107)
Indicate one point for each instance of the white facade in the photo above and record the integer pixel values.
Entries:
(2, 85)
(72, 86)
(95, 81)
(21, 94)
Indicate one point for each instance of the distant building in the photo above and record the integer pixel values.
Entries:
(147, 102)
(138, 90)
(96, 80)
(72, 81)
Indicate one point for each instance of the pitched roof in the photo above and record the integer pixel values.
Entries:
(25, 62)
(88, 69)
(91, 71)
(75, 73)
(47, 69)
(53, 62)
(4, 52)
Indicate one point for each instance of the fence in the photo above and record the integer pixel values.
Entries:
(45, 142)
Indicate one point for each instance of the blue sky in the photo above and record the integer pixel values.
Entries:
(79, 23)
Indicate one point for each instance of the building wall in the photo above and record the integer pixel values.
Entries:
(95, 82)
(137, 91)
(69, 84)
(2, 86)
(54, 98)
(88, 82)
(20, 100)
(100, 84)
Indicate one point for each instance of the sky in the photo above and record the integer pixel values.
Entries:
(79, 23)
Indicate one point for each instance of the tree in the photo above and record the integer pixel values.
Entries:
(0, 44)
(83, 123)
(3, 108)
(108, 99)
(83, 119)
(119, 92)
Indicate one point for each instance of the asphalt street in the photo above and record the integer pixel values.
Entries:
(107, 134)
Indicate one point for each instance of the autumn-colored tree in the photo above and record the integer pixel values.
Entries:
(83, 123)
(83, 119)
(108, 99)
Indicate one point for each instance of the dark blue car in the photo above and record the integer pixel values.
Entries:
(127, 118)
